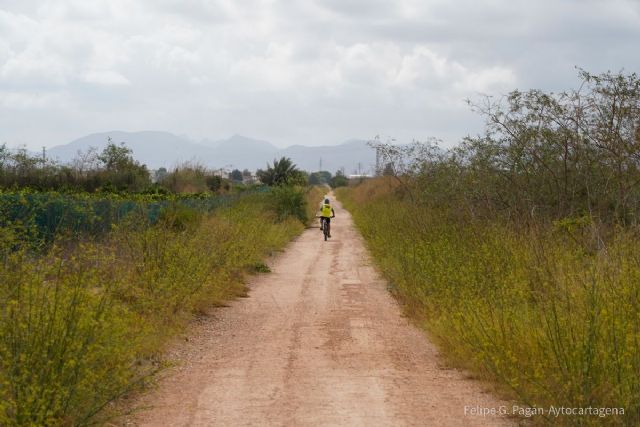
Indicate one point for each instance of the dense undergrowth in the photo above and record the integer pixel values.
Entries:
(532, 309)
(83, 320)
(517, 248)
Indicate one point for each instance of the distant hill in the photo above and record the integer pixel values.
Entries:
(157, 149)
(241, 152)
(353, 155)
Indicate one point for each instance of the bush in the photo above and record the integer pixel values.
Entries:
(534, 310)
(112, 170)
(283, 172)
(339, 180)
(214, 182)
(289, 201)
(179, 217)
(315, 196)
(191, 178)
(66, 346)
(84, 322)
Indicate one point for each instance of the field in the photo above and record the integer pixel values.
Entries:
(532, 310)
(94, 286)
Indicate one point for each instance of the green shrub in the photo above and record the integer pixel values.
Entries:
(179, 217)
(84, 322)
(529, 308)
(66, 346)
(339, 180)
(261, 267)
(315, 195)
(289, 201)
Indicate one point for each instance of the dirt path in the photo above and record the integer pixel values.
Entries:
(318, 342)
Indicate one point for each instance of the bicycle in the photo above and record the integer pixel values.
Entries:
(326, 227)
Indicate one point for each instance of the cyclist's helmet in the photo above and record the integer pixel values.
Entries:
(326, 201)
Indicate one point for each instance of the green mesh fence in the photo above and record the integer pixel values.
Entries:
(95, 214)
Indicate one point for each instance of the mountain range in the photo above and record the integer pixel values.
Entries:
(164, 149)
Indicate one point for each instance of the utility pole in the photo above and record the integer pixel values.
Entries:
(44, 156)
(320, 164)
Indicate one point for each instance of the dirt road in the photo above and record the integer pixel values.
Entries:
(318, 342)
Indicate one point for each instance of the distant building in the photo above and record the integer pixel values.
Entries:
(358, 176)
(158, 175)
(250, 179)
(223, 173)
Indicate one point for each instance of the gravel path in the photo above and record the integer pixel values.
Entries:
(318, 342)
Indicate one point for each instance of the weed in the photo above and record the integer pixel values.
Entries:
(261, 267)
(84, 321)
(530, 309)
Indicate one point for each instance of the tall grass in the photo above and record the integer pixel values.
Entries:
(536, 310)
(314, 198)
(84, 323)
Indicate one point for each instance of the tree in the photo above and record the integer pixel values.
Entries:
(85, 161)
(283, 172)
(5, 156)
(319, 178)
(339, 180)
(236, 175)
(314, 179)
(121, 171)
(561, 155)
(116, 157)
(161, 174)
(299, 178)
(214, 182)
(403, 162)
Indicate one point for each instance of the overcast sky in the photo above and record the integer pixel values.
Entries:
(310, 72)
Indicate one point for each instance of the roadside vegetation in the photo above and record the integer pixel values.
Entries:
(325, 178)
(518, 249)
(100, 267)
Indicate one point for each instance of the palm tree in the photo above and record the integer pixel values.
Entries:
(282, 172)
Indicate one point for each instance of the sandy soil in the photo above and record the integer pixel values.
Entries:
(319, 342)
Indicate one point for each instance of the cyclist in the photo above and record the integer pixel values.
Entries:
(326, 213)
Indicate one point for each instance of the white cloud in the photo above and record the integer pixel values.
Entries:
(309, 71)
(16, 101)
(106, 77)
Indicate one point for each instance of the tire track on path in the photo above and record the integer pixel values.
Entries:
(319, 342)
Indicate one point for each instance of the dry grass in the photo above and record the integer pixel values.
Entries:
(84, 323)
(533, 310)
